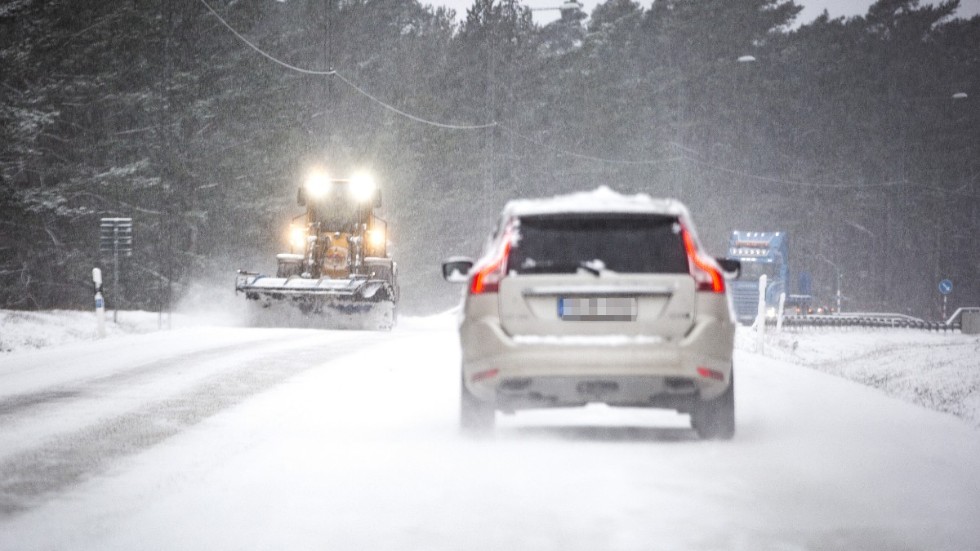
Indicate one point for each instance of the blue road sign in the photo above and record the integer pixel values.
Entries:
(945, 287)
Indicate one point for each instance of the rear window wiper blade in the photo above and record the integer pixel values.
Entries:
(594, 266)
(549, 267)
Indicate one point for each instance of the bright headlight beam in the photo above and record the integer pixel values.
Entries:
(362, 187)
(297, 237)
(376, 238)
(317, 184)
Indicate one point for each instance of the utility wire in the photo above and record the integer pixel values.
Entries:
(796, 183)
(524, 137)
(334, 73)
(695, 160)
(409, 115)
(587, 157)
(260, 51)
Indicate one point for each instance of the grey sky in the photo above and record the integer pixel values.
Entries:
(811, 8)
(836, 8)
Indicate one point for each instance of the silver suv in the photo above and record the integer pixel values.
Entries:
(596, 297)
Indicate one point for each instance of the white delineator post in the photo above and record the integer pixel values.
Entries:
(779, 313)
(99, 304)
(760, 319)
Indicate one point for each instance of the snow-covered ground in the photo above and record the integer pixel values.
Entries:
(209, 437)
(940, 371)
(21, 331)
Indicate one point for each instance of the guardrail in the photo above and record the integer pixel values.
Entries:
(957, 316)
(872, 320)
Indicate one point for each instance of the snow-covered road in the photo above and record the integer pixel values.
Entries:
(231, 438)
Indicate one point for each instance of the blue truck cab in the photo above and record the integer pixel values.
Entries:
(762, 253)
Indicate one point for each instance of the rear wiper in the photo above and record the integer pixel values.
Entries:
(589, 267)
(594, 267)
(549, 268)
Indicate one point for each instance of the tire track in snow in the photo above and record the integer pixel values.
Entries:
(29, 478)
(23, 404)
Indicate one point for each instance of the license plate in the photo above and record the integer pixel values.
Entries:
(597, 308)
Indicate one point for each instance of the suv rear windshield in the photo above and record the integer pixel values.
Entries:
(627, 243)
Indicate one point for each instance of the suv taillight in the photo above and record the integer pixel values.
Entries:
(706, 276)
(488, 274)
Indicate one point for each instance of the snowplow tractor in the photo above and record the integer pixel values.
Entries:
(339, 273)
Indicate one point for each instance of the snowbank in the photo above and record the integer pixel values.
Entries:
(203, 304)
(940, 371)
(20, 331)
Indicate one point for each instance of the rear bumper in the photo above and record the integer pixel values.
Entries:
(518, 373)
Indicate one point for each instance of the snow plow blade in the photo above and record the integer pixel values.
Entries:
(325, 303)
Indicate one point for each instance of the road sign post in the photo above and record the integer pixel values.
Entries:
(945, 288)
(116, 237)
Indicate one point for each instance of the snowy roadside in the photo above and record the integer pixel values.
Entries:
(205, 304)
(939, 371)
(22, 331)
(935, 370)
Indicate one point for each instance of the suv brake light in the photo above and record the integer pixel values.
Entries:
(488, 275)
(706, 276)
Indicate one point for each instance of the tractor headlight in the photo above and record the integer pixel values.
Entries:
(297, 237)
(362, 187)
(317, 184)
(376, 239)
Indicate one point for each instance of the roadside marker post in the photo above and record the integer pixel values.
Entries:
(99, 304)
(760, 320)
(779, 313)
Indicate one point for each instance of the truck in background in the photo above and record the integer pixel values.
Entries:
(765, 253)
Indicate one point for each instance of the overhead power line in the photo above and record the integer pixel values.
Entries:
(526, 138)
(560, 151)
(260, 51)
(331, 72)
(795, 183)
(409, 115)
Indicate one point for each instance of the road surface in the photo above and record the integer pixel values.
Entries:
(234, 438)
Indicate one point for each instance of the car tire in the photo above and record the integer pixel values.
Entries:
(715, 419)
(475, 416)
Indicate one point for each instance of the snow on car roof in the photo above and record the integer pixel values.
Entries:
(602, 199)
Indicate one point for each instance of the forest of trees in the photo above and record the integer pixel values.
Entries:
(859, 136)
